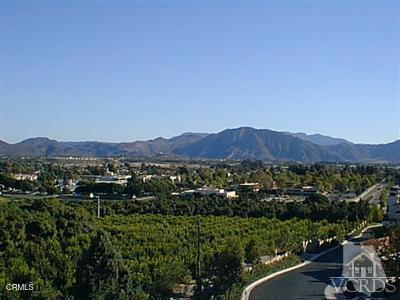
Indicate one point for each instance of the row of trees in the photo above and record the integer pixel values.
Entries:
(134, 187)
(325, 177)
(315, 207)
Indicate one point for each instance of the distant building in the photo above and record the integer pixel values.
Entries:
(230, 194)
(249, 187)
(145, 178)
(294, 191)
(30, 177)
(176, 178)
(118, 179)
(309, 189)
(205, 191)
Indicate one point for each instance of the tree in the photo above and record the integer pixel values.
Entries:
(252, 252)
(101, 272)
(111, 167)
(375, 214)
(165, 273)
(263, 178)
(318, 199)
(226, 268)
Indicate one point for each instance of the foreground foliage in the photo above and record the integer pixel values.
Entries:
(67, 253)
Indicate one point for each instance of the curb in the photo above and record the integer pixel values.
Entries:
(246, 292)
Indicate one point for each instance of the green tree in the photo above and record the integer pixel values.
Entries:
(252, 252)
(102, 273)
(375, 214)
(226, 268)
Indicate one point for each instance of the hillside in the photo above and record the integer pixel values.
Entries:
(319, 139)
(238, 143)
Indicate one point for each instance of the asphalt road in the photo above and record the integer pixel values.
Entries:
(375, 194)
(308, 282)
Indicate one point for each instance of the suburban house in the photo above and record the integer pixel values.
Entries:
(30, 177)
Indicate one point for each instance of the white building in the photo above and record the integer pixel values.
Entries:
(394, 206)
(175, 178)
(230, 194)
(118, 179)
(205, 191)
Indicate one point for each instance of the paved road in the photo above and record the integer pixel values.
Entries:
(370, 194)
(306, 283)
(375, 194)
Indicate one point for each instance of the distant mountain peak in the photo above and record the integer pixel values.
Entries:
(39, 139)
(318, 139)
(189, 135)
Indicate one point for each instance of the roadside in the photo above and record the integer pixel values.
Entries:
(309, 258)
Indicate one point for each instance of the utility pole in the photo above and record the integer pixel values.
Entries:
(198, 270)
(98, 206)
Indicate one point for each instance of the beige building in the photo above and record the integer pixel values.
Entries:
(30, 177)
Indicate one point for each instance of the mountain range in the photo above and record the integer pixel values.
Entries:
(319, 139)
(238, 143)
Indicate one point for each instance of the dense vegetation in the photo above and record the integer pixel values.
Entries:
(315, 207)
(145, 248)
(68, 253)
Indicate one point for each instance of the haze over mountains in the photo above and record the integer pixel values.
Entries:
(238, 143)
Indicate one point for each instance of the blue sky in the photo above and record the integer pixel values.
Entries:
(123, 71)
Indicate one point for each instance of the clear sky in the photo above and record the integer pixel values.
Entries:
(128, 70)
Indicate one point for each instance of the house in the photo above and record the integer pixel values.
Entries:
(249, 187)
(309, 189)
(175, 178)
(230, 194)
(146, 177)
(30, 177)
